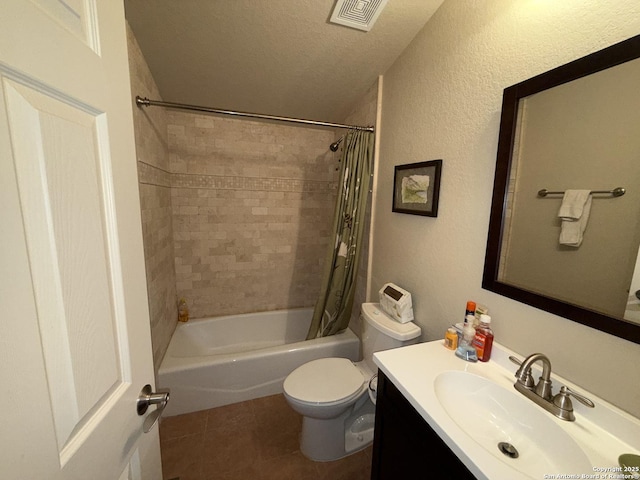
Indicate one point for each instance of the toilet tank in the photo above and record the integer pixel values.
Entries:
(381, 332)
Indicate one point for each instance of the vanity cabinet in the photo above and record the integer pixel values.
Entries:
(404, 445)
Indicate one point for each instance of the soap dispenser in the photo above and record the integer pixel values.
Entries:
(466, 350)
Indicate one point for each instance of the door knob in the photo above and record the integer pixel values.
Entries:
(149, 397)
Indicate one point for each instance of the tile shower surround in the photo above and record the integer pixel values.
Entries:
(252, 207)
(150, 129)
(271, 187)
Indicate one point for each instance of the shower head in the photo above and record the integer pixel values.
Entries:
(334, 146)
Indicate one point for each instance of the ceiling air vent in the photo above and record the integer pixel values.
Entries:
(359, 14)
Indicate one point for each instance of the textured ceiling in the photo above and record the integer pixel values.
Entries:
(276, 57)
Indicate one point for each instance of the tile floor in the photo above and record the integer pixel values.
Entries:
(256, 440)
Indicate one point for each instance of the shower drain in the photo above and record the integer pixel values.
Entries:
(508, 449)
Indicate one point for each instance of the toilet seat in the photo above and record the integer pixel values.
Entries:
(325, 381)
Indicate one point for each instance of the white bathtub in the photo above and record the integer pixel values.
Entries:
(212, 362)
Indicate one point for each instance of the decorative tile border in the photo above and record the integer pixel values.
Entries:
(219, 182)
(152, 175)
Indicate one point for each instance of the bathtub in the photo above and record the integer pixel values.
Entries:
(212, 362)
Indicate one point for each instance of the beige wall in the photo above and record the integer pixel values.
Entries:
(442, 99)
(150, 128)
(568, 142)
(252, 210)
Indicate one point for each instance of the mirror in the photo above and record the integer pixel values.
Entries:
(574, 127)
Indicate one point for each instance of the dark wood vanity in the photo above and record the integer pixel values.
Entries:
(404, 445)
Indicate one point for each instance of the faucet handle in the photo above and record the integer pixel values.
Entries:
(517, 361)
(563, 402)
(563, 397)
(524, 378)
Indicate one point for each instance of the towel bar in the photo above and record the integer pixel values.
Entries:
(616, 192)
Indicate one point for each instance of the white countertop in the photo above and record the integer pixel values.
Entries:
(603, 433)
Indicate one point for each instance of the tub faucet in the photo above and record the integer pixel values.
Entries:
(560, 405)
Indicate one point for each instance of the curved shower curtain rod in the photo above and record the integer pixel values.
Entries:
(145, 102)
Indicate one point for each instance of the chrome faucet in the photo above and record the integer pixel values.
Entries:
(541, 393)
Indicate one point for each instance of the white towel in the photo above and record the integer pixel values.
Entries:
(573, 204)
(574, 213)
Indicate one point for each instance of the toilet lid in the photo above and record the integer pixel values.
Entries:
(324, 380)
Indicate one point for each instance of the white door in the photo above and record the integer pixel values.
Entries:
(74, 340)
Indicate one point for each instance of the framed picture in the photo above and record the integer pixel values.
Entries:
(416, 188)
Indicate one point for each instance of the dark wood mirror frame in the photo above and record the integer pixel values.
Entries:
(609, 57)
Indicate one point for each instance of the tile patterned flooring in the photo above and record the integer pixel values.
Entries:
(256, 440)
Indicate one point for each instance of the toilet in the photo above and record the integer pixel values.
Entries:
(334, 395)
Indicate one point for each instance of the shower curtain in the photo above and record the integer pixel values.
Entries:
(333, 308)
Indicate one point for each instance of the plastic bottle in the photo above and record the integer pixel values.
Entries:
(466, 350)
(451, 339)
(483, 339)
(480, 310)
(183, 311)
(471, 308)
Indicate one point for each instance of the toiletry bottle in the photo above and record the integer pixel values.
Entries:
(466, 350)
(451, 339)
(471, 308)
(467, 327)
(480, 310)
(183, 311)
(483, 340)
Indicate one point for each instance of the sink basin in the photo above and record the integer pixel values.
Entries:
(504, 422)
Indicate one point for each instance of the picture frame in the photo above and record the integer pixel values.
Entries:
(416, 188)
